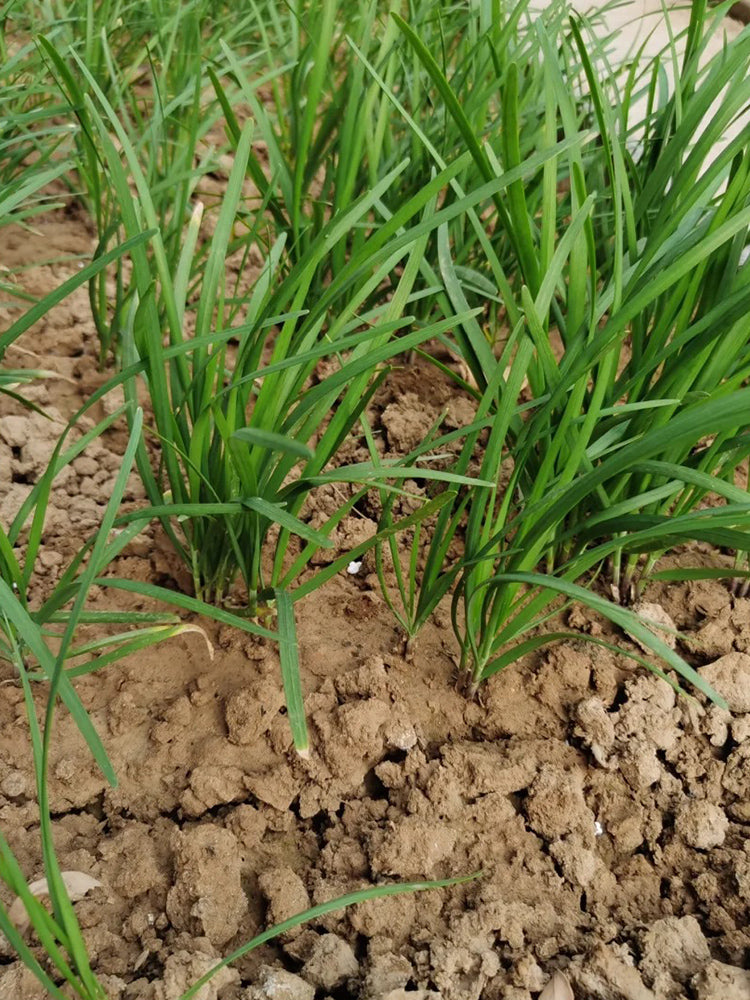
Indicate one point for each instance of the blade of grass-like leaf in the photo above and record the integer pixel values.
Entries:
(233, 130)
(364, 472)
(360, 896)
(273, 511)
(215, 265)
(313, 92)
(181, 510)
(520, 215)
(289, 657)
(11, 569)
(187, 254)
(19, 946)
(61, 904)
(191, 604)
(94, 645)
(475, 348)
(273, 441)
(142, 639)
(319, 578)
(31, 186)
(699, 573)
(626, 619)
(118, 617)
(553, 275)
(704, 481)
(278, 514)
(28, 630)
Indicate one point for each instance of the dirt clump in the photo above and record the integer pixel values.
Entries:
(331, 963)
(206, 898)
(285, 895)
(673, 950)
(717, 981)
(183, 967)
(729, 676)
(702, 824)
(277, 984)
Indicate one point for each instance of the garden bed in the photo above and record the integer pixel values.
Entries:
(607, 815)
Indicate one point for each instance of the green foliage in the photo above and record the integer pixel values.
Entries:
(631, 257)
(290, 201)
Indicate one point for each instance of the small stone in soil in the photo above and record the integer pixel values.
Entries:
(183, 968)
(19, 983)
(721, 982)
(729, 676)
(286, 895)
(674, 949)
(278, 984)
(702, 825)
(331, 962)
(14, 784)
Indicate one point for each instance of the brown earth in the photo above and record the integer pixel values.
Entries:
(608, 816)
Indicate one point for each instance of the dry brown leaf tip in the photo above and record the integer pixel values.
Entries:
(558, 988)
(78, 885)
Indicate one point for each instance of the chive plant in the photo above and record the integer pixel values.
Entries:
(32, 136)
(39, 645)
(155, 83)
(244, 436)
(31, 160)
(327, 133)
(31, 629)
(639, 280)
(232, 436)
(328, 129)
(690, 341)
